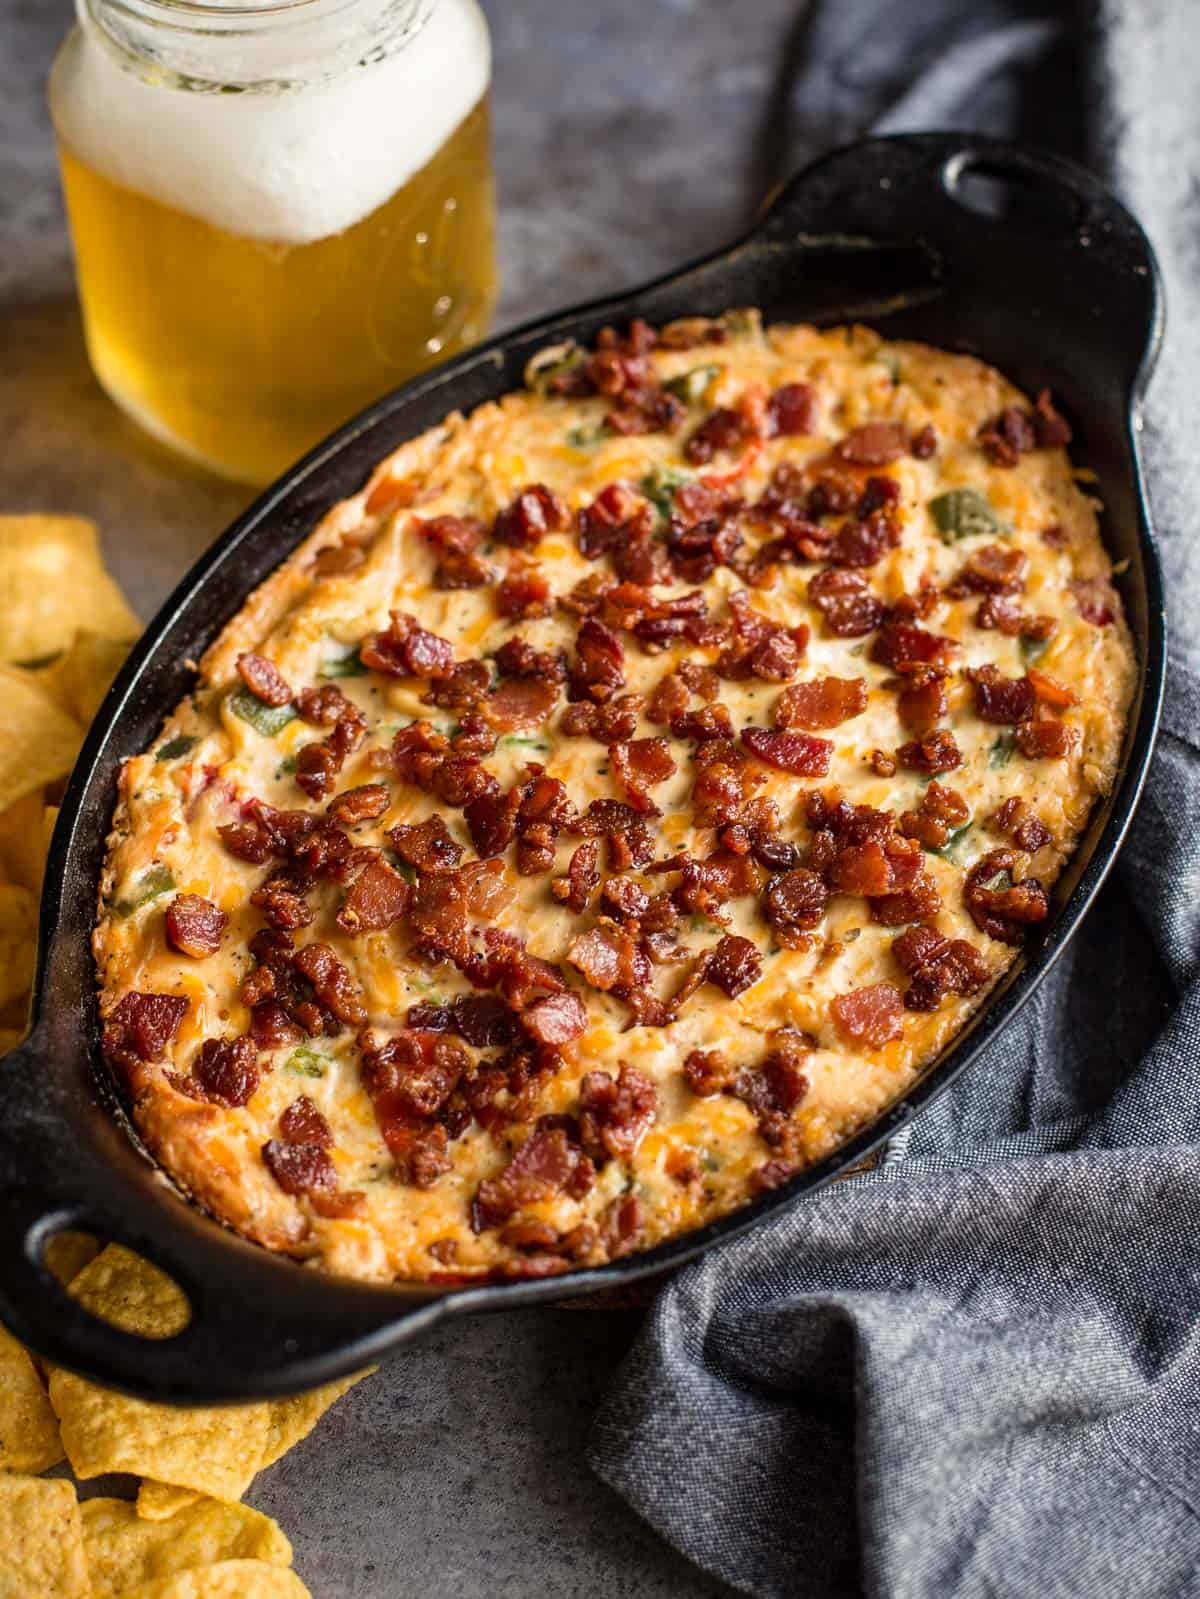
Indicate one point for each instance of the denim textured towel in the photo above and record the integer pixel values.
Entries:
(975, 1371)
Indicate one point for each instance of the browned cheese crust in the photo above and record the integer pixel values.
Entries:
(616, 805)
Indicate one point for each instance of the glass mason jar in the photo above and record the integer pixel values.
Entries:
(279, 209)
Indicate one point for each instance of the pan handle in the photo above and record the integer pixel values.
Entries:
(1012, 226)
(260, 1325)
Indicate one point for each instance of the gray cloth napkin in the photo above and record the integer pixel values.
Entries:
(975, 1371)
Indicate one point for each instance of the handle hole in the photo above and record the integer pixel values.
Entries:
(1016, 195)
(113, 1284)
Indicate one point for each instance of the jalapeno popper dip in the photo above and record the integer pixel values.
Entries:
(615, 805)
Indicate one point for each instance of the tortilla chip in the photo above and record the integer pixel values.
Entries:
(22, 857)
(216, 1452)
(293, 1419)
(124, 1551)
(68, 1252)
(230, 1579)
(41, 1540)
(40, 740)
(29, 1438)
(159, 1501)
(53, 584)
(82, 676)
(18, 941)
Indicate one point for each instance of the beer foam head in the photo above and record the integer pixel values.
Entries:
(282, 165)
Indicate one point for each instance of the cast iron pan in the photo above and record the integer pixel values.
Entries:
(970, 244)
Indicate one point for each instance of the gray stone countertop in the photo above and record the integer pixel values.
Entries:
(629, 135)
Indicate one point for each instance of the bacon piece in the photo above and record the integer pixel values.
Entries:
(194, 925)
(321, 706)
(794, 904)
(734, 965)
(708, 1072)
(544, 811)
(583, 876)
(523, 594)
(937, 966)
(363, 804)
(377, 898)
(862, 541)
(303, 1123)
(697, 549)
(264, 679)
(773, 1089)
(492, 822)
(281, 900)
(922, 700)
(874, 868)
(405, 649)
(300, 1169)
(614, 517)
(1027, 831)
(999, 699)
(536, 511)
(722, 429)
(940, 810)
(142, 1025)
(410, 1076)
(641, 765)
(271, 1027)
(1049, 691)
(547, 1163)
(456, 539)
(899, 643)
(478, 1019)
(868, 1017)
(427, 845)
(872, 444)
(599, 666)
(1000, 904)
(845, 601)
(555, 1020)
(1046, 738)
(1007, 436)
(613, 723)
(225, 1072)
(609, 958)
(521, 703)
(992, 569)
(465, 688)
(823, 702)
(789, 752)
(792, 410)
(923, 444)
(935, 752)
(331, 982)
(615, 1113)
(248, 841)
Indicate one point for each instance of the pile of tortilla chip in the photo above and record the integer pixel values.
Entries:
(65, 629)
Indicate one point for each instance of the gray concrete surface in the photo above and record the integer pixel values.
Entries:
(630, 134)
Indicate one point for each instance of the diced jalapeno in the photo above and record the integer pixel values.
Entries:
(659, 485)
(1032, 649)
(154, 881)
(175, 747)
(582, 438)
(691, 387)
(1001, 751)
(306, 1062)
(347, 665)
(964, 514)
(264, 719)
(954, 847)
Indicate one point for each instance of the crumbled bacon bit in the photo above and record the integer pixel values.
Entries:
(331, 982)
(899, 643)
(142, 1026)
(872, 444)
(794, 904)
(868, 1017)
(999, 699)
(194, 925)
(322, 706)
(1052, 429)
(874, 868)
(1016, 821)
(299, 1168)
(544, 811)
(523, 595)
(999, 903)
(612, 723)
(582, 879)
(821, 703)
(936, 752)
(556, 1020)
(427, 845)
(940, 810)
(882, 764)
(535, 512)
(845, 601)
(303, 1123)
(264, 679)
(492, 822)
(923, 444)
(1007, 436)
(547, 1163)
(1046, 738)
(789, 752)
(609, 958)
(281, 900)
(615, 1113)
(937, 966)
(992, 569)
(760, 647)
(697, 548)
(708, 1072)
(363, 804)
(456, 539)
(792, 410)
(226, 1072)
(521, 702)
(723, 429)
(598, 669)
(377, 898)
(919, 902)
(734, 965)
(405, 649)
(640, 765)
(1096, 600)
